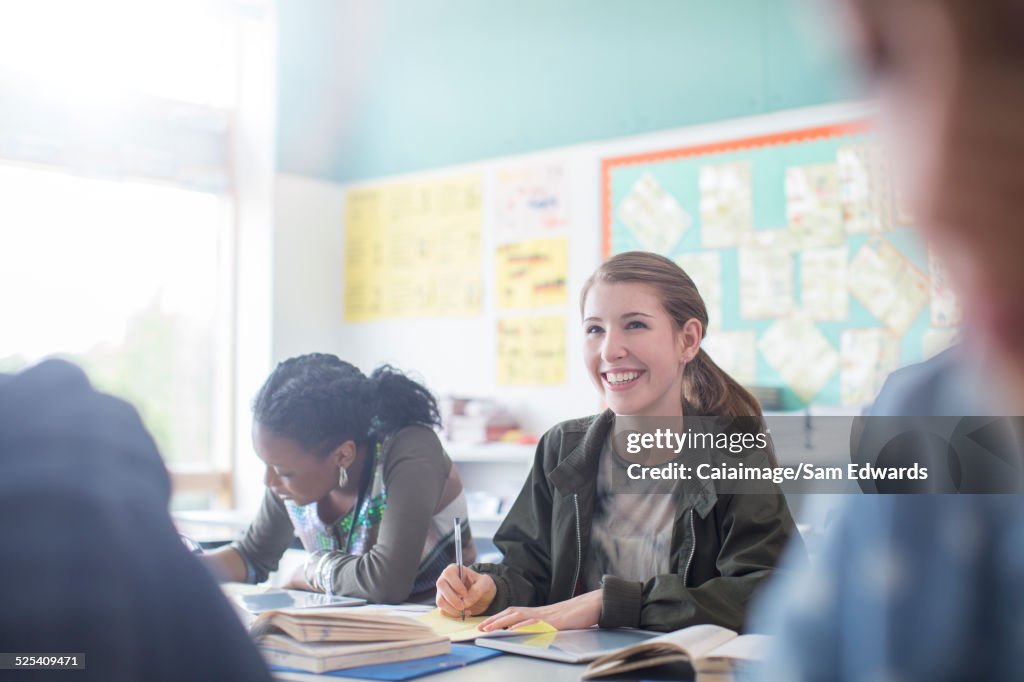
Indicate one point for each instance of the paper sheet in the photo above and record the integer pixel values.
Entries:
(735, 352)
(796, 349)
(865, 189)
(945, 308)
(823, 288)
(532, 274)
(867, 356)
(654, 216)
(705, 269)
(935, 341)
(531, 351)
(766, 274)
(413, 250)
(888, 284)
(726, 204)
(465, 630)
(531, 199)
(812, 205)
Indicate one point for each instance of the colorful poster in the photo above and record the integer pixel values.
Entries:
(796, 349)
(945, 308)
(888, 284)
(653, 215)
(734, 352)
(531, 351)
(865, 189)
(823, 291)
(867, 356)
(532, 274)
(531, 200)
(812, 205)
(726, 204)
(413, 250)
(766, 274)
(705, 269)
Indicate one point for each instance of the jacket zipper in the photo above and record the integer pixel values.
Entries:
(579, 544)
(693, 549)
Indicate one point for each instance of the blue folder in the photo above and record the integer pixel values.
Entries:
(461, 655)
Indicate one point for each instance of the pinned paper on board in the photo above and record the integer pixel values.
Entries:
(726, 204)
(531, 350)
(823, 290)
(888, 284)
(766, 274)
(935, 341)
(945, 307)
(413, 250)
(532, 274)
(705, 269)
(655, 217)
(531, 200)
(812, 205)
(867, 356)
(734, 352)
(865, 189)
(796, 349)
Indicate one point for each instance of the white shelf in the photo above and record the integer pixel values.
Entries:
(491, 453)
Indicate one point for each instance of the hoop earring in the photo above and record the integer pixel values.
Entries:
(342, 476)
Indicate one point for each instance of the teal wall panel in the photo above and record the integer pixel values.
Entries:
(371, 88)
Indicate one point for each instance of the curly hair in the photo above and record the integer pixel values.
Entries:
(320, 402)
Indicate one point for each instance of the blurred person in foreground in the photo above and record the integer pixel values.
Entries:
(90, 562)
(931, 587)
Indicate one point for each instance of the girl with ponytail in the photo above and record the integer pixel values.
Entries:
(355, 470)
(582, 545)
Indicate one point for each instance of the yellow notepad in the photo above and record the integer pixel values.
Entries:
(464, 630)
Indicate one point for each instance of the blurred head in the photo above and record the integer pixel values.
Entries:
(949, 75)
(643, 321)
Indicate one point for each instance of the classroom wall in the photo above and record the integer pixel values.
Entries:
(369, 88)
(388, 88)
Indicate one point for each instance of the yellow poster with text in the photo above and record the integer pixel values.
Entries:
(413, 250)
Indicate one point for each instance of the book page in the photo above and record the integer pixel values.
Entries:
(742, 648)
(696, 641)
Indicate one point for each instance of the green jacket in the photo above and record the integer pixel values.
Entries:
(723, 546)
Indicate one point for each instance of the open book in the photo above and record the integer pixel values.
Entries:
(713, 652)
(320, 640)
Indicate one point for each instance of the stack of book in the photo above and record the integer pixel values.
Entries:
(321, 640)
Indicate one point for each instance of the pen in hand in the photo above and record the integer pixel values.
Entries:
(458, 555)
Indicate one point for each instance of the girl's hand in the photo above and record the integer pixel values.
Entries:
(573, 614)
(472, 595)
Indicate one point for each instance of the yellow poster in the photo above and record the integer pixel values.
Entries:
(531, 350)
(413, 250)
(532, 274)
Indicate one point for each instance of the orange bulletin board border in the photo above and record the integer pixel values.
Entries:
(772, 139)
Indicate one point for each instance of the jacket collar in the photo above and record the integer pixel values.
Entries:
(577, 472)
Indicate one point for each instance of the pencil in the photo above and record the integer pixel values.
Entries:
(458, 553)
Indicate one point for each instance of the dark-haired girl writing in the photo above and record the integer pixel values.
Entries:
(355, 470)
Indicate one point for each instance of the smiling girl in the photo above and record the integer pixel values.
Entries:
(354, 469)
(579, 551)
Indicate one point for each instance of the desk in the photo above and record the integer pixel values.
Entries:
(504, 668)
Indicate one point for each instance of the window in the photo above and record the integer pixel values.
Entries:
(119, 211)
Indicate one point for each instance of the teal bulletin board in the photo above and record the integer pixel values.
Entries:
(814, 279)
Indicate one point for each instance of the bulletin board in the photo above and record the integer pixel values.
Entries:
(814, 279)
